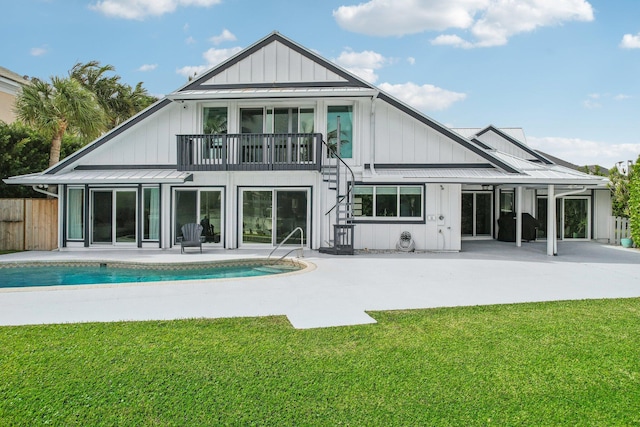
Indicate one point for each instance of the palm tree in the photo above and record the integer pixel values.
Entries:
(63, 105)
(119, 101)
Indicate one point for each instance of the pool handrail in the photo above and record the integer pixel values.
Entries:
(301, 248)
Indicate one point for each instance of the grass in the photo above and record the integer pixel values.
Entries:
(560, 363)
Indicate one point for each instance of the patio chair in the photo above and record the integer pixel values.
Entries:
(191, 237)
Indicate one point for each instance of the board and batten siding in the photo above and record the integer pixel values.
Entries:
(499, 143)
(435, 234)
(274, 63)
(402, 139)
(149, 142)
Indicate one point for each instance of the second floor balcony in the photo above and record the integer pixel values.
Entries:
(250, 152)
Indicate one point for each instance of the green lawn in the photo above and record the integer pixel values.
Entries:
(564, 363)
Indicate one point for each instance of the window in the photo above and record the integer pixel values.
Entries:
(151, 214)
(75, 214)
(276, 120)
(283, 122)
(214, 120)
(387, 201)
(344, 144)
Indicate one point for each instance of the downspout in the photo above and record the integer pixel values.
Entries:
(48, 193)
(372, 134)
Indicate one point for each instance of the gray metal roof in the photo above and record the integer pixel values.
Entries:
(280, 92)
(530, 173)
(112, 176)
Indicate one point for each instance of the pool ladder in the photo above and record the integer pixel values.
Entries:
(301, 248)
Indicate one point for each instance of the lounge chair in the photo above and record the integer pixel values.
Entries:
(191, 237)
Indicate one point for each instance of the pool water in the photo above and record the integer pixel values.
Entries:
(92, 274)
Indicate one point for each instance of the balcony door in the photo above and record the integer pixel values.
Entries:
(284, 124)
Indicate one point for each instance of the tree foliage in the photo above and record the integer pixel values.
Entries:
(62, 106)
(24, 150)
(86, 104)
(634, 202)
(619, 186)
(118, 100)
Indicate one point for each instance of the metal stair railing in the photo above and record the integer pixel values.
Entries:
(342, 228)
(301, 248)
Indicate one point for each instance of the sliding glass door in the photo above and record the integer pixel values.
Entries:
(202, 206)
(573, 217)
(269, 215)
(477, 214)
(114, 216)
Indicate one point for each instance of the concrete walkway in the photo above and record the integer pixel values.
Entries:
(340, 289)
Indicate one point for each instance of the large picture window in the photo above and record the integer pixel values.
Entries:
(388, 202)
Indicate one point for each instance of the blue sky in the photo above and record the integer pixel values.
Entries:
(567, 71)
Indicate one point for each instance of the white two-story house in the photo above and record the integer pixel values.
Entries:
(277, 138)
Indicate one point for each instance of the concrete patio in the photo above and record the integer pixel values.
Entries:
(336, 290)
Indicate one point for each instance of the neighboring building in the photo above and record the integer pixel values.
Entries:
(10, 85)
(242, 149)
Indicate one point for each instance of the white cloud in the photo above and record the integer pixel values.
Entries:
(488, 22)
(212, 57)
(140, 9)
(425, 97)
(215, 56)
(585, 152)
(225, 36)
(190, 40)
(38, 51)
(595, 100)
(411, 60)
(629, 41)
(451, 40)
(148, 67)
(363, 64)
(400, 17)
(591, 104)
(192, 70)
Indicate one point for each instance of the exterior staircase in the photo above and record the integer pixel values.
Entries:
(338, 178)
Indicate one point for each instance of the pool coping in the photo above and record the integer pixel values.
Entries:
(305, 266)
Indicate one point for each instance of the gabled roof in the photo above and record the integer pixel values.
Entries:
(515, 142)
(336, 80)
(339, 77)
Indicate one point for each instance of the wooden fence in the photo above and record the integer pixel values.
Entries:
(28, 224)
(619, 229)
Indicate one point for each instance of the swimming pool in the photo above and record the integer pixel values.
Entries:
(94, 273)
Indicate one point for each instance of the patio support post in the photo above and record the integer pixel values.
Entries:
(551, 220)
(519, 216)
